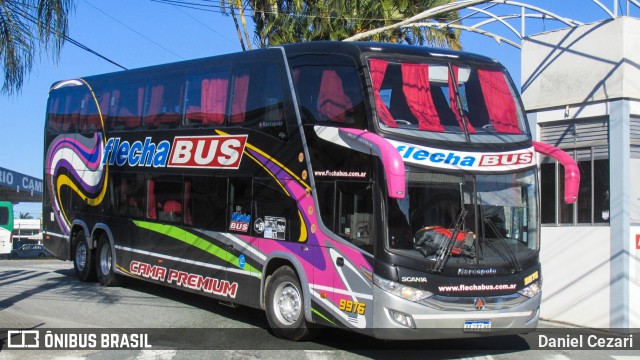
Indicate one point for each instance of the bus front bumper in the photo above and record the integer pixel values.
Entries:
(399, 319)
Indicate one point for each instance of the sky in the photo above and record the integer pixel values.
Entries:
(138, 33)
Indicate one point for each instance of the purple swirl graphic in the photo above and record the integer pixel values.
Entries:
(81, 157)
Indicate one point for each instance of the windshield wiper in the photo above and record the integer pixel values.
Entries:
(510, 256)
(445, 249)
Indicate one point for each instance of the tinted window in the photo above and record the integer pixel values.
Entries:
(125, 103)
(275, 213)
(206, 203)
(206, 98)
(65, 105)
(163, 103)
(128, 195)
(164, 199)
(329, 91)
(257, 99)
(354, 208)
(4, 216)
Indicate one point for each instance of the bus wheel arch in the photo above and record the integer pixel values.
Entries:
(284, 304)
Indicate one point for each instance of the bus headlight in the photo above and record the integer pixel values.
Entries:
(531, 290)
(400, 290)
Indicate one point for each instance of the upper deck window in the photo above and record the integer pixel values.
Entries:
(329, 90)
(445, 98)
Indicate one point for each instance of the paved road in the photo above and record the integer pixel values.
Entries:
(44, 294)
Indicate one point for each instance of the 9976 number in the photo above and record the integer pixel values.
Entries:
(352, 306)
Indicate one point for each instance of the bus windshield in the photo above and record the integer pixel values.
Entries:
(445, 98)
(476, 219)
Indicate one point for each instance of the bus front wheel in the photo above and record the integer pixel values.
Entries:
(285, 305)
(83, 259)
(104, 262)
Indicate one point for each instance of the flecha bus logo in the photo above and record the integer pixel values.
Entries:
(215, 152)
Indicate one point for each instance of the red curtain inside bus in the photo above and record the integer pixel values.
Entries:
(213, 101)
(377, 69)
(240, 96)
(499, 100)
(415, 86)
(333, 103)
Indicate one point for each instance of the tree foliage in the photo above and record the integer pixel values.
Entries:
(28, 27)
(287, 21)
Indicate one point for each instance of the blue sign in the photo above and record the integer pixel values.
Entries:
(241, 261)
(20, 182)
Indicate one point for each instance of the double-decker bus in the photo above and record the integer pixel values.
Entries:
(6, 228)
(366, 186)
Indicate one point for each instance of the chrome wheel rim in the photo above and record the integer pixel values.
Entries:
(105, 259)
(287, 303)
(81, 256)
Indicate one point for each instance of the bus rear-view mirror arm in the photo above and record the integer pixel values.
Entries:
(364, 141)
(571, 171)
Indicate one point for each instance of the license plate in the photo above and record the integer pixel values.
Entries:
(483, 325)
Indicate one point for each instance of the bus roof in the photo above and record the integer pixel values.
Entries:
(359, 47)
(353, 49)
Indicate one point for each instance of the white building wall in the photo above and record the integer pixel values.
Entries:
(575, 275)
(591, 274)
(590, 63)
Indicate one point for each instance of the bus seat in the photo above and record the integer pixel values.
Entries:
(171, 211)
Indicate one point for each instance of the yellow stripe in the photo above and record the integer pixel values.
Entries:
(272, 160)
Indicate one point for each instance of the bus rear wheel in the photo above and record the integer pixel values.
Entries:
(104, 262)
(83, 259)
(285, 305)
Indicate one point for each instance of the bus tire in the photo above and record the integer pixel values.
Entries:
(83, 259)
(284, 305)
(104, 262)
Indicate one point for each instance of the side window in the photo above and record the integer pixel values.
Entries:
(275, 214)
(354, 208)
(206, 98)
(125, 107)
(64, 110)
(329, 92)
(89, 115)
(164, 199)
(548, 193)
(205, 203)
(239, 207)
(257, 98)
(163, 103)
(128, 197)
(4, 215)
(326, 200)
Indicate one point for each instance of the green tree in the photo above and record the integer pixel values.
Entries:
(27, 28)
(286, 21)
(25, 216)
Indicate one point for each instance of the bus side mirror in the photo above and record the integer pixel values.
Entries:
(367, 142)
(571, 170)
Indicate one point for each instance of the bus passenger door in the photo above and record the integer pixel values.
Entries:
(243, 276)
